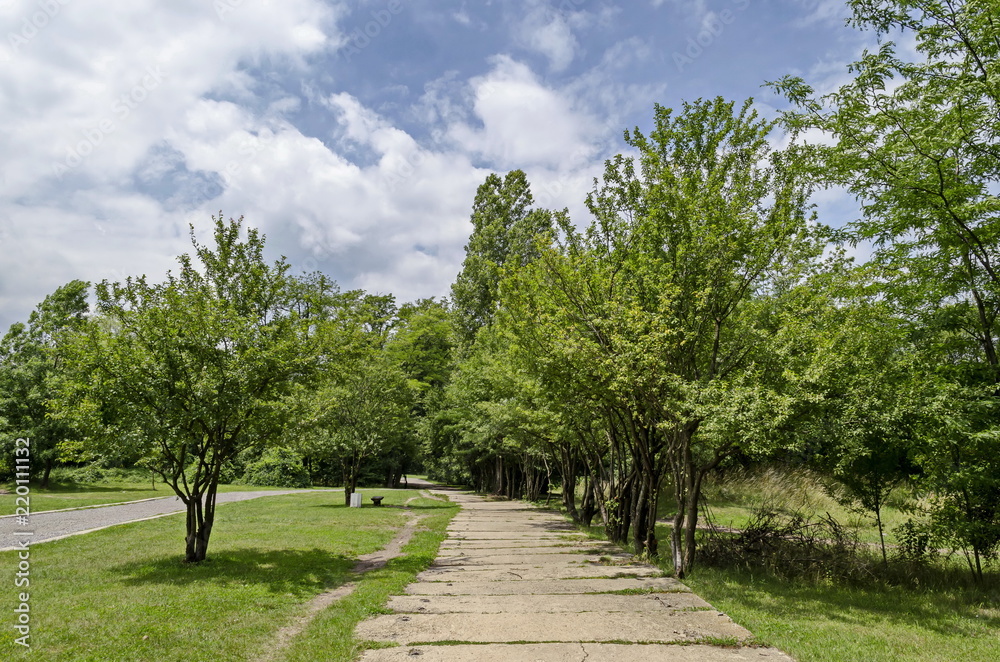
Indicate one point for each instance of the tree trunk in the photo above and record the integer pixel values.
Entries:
(200, 518)
(568, 470)
(881, 535)
(347, 483)
(676, 550)
(691, 520)
(45, 475)
(677, 526)
(639, 517)
(588, 506)
(652, 544)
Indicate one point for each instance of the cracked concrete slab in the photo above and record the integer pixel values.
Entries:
(531, 573)
(512, 531)
(568, 558)
(477, 551)
(526, 547)
(548, 587)
(513, 583)
(533, 604)
(573, 653)
(665, 626)
(565, 536)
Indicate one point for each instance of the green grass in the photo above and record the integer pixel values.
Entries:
(944, 619)
(819, 622)
(330, 636)
(123, 593)
(59, 496)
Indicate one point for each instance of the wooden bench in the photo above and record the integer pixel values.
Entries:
(377, 500)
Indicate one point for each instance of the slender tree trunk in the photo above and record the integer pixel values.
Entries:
(639, 512)
(676, 549)
(46, 472)
(691, 519)
(588, 506)
(568, 469)
(881, 535)
(347, 483)
(201, 513)
(677, 466)
(199, 528)
(652, 545)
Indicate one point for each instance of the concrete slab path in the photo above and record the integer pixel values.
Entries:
(513, 583)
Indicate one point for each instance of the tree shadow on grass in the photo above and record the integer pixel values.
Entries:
(299, 572)
(935, 610)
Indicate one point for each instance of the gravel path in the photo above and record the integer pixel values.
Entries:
(60, 524)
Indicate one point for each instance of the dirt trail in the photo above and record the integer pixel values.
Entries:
(365, 563)
(513, 583)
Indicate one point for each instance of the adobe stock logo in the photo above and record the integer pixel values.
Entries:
(122, 107)
(711, 30)
(362, 37)
(31, 25)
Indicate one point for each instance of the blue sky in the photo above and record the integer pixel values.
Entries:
(354, 134)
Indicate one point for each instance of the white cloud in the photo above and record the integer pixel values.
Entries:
(830, 12)
(398, 224)
(192, 114)
(160, 114)
(545, 31)
(88, 94)
(525, 123)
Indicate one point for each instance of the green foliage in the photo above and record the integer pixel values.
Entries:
(916, 143)
(360, 406)
(655, 321)
(186, 373)
(277, 467)
(31, 371)
(503, 235)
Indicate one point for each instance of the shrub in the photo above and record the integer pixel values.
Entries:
(277, 467)
(790, 545)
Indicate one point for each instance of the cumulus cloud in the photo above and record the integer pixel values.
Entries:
(97, 115)
(524, 122)
(125, 122)
(546, 31)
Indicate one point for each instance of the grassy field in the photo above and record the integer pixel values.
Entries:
(124, 594)
(823, 622)
(941, 617)
(124, 486)
(60, 496)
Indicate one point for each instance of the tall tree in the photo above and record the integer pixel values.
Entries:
(31, 357)
(503, 231)
(191, 370)
(917, 142)
(667, 296)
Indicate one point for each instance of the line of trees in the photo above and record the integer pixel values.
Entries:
(702, 316)
(198, 374)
